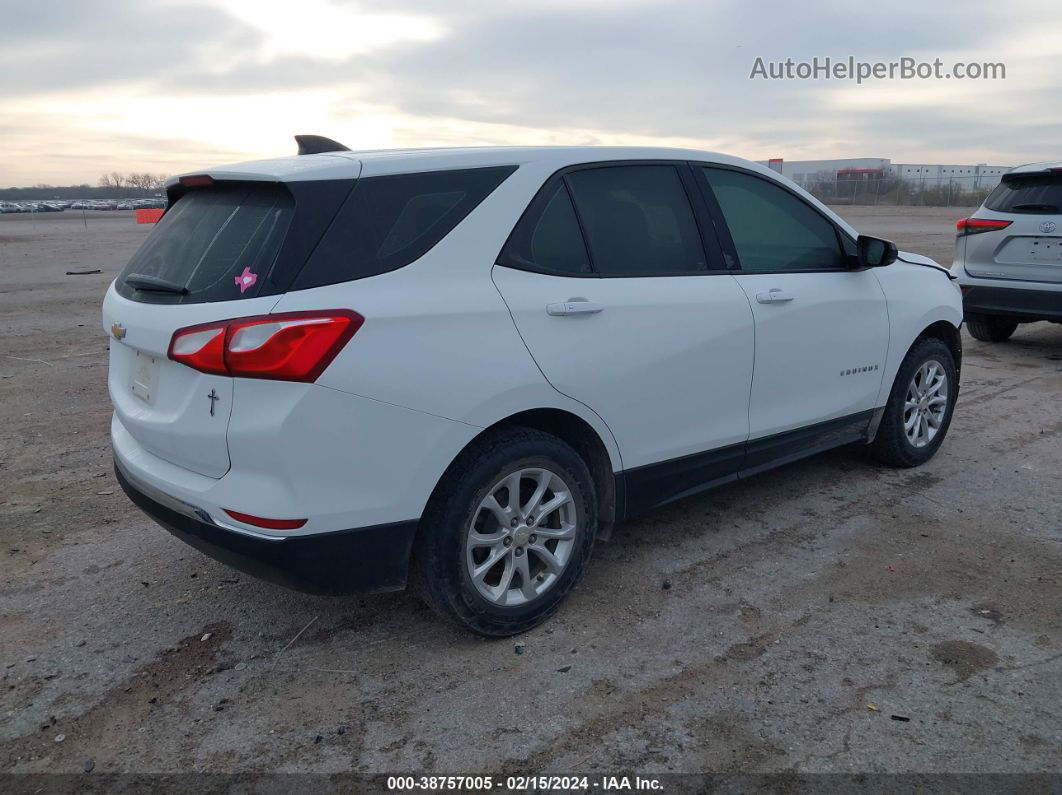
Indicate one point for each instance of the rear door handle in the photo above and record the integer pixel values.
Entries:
(574, 306)
(774, 296)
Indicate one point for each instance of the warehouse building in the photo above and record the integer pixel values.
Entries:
(967, 177)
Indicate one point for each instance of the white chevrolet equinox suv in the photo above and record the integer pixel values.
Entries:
(349, 371)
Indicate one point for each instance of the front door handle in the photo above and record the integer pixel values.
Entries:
(774, 296)
(574, 306)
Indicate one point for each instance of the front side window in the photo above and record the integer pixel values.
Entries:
(638, 220)
(772, 229)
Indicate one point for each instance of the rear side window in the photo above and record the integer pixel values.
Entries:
(388, 222)
(549, 239)
(638, 220)
(773, 230)
(214, 244)
(1037, 195)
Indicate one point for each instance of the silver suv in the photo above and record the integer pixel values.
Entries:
(1008, 254)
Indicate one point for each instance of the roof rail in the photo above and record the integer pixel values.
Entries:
(318, 144)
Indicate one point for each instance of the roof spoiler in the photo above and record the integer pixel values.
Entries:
(1010, 176)
(318, 144)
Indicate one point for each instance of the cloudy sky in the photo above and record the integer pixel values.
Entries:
(170, 85)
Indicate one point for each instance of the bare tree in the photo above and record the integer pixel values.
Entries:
(114, 180)
(145, 181)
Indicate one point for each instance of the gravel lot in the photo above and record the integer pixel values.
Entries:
(778, 624)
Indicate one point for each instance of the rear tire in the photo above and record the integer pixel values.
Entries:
(499, 566)
(989, 328)
(915, 421)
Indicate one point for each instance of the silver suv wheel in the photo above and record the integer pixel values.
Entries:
(521, 537)
(926, 404)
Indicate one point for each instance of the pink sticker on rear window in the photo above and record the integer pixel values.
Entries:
(246, 279)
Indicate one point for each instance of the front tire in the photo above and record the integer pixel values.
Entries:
(507, 534)
(920, 407)
(989, 328)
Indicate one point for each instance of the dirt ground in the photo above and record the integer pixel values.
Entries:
(828, 616)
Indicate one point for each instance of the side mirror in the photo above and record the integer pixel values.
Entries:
(873, 252)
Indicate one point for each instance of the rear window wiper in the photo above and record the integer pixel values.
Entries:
(153, 284)
(1047, 208)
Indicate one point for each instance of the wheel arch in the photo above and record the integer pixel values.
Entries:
(944, 331)
(888, 426)
(581, 436)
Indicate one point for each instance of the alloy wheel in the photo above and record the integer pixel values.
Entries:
(926, 403)
(521, 537)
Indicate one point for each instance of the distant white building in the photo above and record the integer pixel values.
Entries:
(968, 177)
(805, 171)
(927, 175)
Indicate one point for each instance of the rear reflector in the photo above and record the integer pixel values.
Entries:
(293, 346)
(973, 226)
(268, 524)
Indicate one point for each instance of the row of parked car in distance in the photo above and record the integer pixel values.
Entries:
(31, 207)
(55, 206)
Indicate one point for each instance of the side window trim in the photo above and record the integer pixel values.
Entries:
(710, 244)
(582, 224)
(719, 224)
(711, 239)
(844, 241)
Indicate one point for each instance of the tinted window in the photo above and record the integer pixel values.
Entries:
(1039, 195)
(217, 243)
(638, 220)
(388, 222)
(772, 229)
(548, 237)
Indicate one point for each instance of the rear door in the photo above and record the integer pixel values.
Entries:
(214, 255)
(625, 309)
(1030, 247)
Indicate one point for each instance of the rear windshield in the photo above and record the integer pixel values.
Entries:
(214, 244)
(388, 222)
(1039, 195)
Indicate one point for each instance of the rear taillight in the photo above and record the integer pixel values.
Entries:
(294, 346)
(201, 347)
(974, 226)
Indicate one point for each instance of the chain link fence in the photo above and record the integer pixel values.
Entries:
(929, 192)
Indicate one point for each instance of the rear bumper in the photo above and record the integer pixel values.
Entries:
(1011, 302)
(361, 560)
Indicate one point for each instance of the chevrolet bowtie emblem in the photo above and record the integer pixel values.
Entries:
(118, 330)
